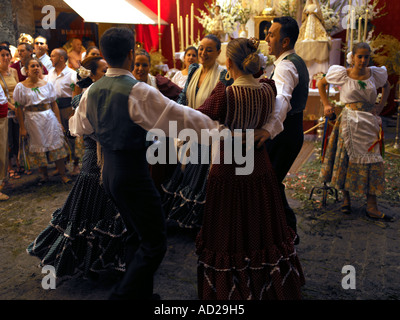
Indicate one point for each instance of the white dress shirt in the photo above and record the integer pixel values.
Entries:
(45, 59)
(149, 109)
(62, 82)
(3, 98)
(286, 79)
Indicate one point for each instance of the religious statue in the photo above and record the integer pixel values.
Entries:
(312, 27)
(218, 26)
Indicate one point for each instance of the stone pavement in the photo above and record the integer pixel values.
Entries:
(329, 241)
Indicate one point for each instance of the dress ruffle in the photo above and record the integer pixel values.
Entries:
(185, 194)
(252, 255)
(87, 234)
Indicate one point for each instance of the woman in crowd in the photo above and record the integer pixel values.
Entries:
(353, 161)
(184, 193)
(40, 123)
(190, 57)
(245, 248)
(92, 51)
(3, 141)
(87, 233)
(142, 73)
(8, 81)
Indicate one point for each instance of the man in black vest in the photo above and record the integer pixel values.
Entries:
(284, 131)
(120, 110)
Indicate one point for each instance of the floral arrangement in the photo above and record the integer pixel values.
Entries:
(331, 18)
(288, 8)
(386, 52)
(373, 11)
(232, 14)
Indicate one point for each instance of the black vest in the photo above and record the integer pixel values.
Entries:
(300, 92)
(107, 112)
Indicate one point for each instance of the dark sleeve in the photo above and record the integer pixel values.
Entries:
(216, 104)
(167, 87)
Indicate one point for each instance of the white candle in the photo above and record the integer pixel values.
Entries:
(177, 16)
(159, 24)
(187, 31)
(181, 33)
(352, 29)
(366, 25)
(192, 23)
(359, 29)
(173, 40)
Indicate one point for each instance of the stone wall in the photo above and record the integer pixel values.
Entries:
(7, 24)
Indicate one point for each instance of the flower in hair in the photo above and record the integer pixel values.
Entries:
(253, 43)
(83, 72)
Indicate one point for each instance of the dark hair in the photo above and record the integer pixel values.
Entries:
(244, 54)
(29, 59)
(5, 43)
(90, 63)
(115, 45)
(360, 45)
(214, 38)
(289, 29)
(190, 48)
(5, 48)
(90, 49)
(142, 52)
(27, 45)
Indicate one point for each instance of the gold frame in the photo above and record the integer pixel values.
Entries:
(257, 22)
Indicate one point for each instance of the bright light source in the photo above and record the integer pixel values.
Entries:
(114, 11)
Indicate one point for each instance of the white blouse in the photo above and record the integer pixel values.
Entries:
(28, 96)
(179, 79)
(351, 89)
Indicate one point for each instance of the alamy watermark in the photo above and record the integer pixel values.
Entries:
(235, 143)
(349, 280)
(49, 20)
(49, 280)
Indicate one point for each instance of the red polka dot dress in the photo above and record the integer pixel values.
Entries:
(245, 248)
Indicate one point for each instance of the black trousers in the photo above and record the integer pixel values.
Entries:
(283, 151)
(127, 180)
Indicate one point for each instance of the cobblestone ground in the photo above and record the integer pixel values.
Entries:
(329, 241)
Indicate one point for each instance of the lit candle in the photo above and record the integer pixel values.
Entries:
(352, 29)
(187, 31)
(192, 23)
(366, 25)
(177, 16)
(159, 24)
(181, 33)
(173, 40)
(359, 29)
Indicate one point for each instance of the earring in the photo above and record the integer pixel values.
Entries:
(228, 76)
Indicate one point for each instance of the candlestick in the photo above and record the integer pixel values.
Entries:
(359, 29)
(192, 23)
(187, 31)
(181, 34)
(366, 25)
(173, 43)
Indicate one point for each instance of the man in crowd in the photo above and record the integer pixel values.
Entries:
(64, 79)
(283, 132)
(41, 49)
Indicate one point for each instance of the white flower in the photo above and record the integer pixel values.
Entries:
(83, 72)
